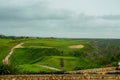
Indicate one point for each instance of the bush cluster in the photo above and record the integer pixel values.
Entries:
(8, 69)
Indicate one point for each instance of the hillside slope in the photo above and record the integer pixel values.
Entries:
(77, 54)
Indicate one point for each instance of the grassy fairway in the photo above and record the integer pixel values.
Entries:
(48, 52)
(39, 55)
(60, 44)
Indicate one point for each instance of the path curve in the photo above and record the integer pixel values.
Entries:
(6, 60)
(48, 67)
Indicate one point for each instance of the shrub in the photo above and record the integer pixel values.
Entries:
(8, 69)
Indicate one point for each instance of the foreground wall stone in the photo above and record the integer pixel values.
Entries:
(61, 77)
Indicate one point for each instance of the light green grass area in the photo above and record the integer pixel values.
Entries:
(60, 44)
(57, 43)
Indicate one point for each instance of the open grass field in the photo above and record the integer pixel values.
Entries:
(48, 52)
(40, 55)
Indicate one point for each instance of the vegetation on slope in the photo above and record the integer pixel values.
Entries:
(95, 53)
(29, 68)
(9, 69)
(5, 47)
(30, 55)
(50, 51)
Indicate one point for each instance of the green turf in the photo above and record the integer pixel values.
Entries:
(34, 69)
(60, 44)
(48, 52)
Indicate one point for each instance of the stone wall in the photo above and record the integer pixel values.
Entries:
(60, 77)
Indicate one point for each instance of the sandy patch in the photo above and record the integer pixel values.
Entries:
(76, 46)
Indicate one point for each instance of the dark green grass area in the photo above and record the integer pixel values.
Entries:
(70, 63)
(31, 55)
(55, 61)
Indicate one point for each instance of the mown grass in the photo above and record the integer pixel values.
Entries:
(31, 68)
(49, 52)
(60, 44)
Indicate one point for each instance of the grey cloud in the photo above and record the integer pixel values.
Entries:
(111, 17)
(28, 17)
(36, 10)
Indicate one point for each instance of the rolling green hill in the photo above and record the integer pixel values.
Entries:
(49, 52)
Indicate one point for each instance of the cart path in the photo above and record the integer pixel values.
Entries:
(48, 67)
(6, 60)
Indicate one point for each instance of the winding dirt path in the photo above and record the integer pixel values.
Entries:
(48, 67)
(6, 60)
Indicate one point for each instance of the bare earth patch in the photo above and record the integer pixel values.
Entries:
(19, 45)
(76, 46)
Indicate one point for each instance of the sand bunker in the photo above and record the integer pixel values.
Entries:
(76, 46)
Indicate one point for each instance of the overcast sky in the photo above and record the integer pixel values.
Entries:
(60, 18)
